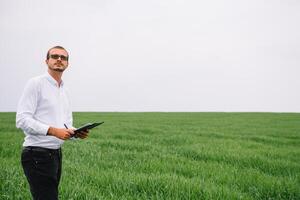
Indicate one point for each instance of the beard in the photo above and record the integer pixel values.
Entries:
(59, 67)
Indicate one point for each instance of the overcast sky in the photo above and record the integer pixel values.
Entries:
(158, 55)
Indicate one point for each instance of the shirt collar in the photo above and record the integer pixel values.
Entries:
(53, 81)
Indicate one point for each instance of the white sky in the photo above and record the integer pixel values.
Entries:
(158, 55)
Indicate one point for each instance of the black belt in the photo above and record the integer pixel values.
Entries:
(42, 149)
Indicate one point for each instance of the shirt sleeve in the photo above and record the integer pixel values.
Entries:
(26, 108)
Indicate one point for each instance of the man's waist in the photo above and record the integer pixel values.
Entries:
(49, 142)
(42, 149)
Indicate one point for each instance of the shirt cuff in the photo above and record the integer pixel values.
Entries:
(44, 129)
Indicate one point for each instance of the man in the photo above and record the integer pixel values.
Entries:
(43, 113)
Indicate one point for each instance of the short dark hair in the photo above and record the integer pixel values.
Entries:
(56, 47)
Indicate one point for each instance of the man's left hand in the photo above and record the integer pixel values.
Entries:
(82, 134)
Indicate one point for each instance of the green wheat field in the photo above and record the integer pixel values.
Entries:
(169, 156)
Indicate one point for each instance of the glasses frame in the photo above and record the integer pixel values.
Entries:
(57, 56)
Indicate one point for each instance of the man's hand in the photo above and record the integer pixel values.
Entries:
(60, 133)
(82, 134)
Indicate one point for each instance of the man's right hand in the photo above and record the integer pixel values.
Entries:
(60, 133)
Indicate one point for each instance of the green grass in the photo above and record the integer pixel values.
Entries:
(169, 156)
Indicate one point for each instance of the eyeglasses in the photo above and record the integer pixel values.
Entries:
(56, 56)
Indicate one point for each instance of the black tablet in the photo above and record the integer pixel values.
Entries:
(87, 126)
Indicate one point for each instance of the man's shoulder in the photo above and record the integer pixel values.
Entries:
(35, 81)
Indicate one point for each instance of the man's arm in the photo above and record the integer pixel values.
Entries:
(60, 133)
(26, 109)
(25, 115)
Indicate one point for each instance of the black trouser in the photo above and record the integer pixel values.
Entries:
(42, 168)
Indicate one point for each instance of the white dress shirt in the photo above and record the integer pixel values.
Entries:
(43, 104)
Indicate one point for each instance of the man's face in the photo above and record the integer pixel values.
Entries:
(58, 60)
